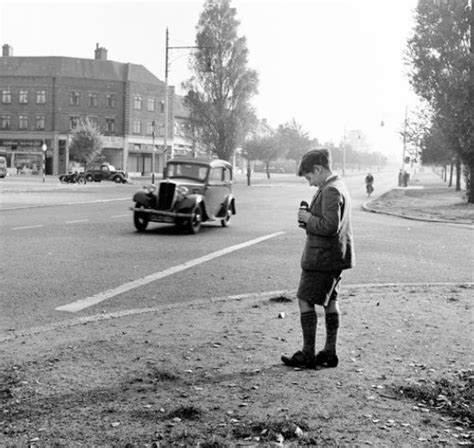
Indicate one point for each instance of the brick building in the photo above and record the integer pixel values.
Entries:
(43, 98)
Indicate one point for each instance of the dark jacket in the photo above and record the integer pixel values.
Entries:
(329, 244)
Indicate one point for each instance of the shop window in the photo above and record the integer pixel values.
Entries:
(137, 102)
(6, 97)
(110, 100)
(5, 122)
(109, 125)
(151, 104)
(22, 122)
(23, 97)
(74, 98)
(40, 122)
(137, 127)
(40, 96)
(93, 100)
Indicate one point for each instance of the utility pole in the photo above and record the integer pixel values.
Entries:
(153, 152)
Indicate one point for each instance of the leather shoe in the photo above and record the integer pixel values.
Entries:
(325, 359)
(299, 359)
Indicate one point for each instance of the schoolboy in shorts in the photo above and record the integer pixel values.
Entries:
(328, 251)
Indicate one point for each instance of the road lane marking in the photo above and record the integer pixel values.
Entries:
(121, 216)
(27, 227)
(81, 304)
(76, 221)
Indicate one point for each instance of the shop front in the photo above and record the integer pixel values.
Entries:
(26, 156)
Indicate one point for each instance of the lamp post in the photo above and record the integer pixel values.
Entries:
(165, 139)
(153, 152)
(44, 148)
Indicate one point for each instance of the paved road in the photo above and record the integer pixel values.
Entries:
(57, 255)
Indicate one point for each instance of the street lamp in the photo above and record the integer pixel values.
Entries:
(44, 148)
(165, 139)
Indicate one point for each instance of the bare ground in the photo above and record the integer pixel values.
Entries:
(209, 375)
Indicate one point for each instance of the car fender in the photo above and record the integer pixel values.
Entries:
(189, 202)
(144, 198)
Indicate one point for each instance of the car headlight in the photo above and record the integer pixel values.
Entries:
(149, 188)
(182, 190)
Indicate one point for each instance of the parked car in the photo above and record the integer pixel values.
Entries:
(72, 178)
(105, 171)
(3, 167)
(193, 191)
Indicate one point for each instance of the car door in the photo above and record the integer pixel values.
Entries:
(220, 179)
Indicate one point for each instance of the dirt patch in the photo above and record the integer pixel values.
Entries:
(210, 376)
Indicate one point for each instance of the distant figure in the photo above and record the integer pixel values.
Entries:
(369, 184)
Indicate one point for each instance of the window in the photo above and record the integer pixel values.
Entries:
(93, 100)
(149, 127)
(137, 102)
(73, 122)
(23, 122)
(110, 100)
(94, 121)
(109, 125)
(6, 97)
(23, 98)
(137, 127)
(74, 98)
(151, 104)
(40, 122)
(217, 175)
(40, 96)
(5, 122)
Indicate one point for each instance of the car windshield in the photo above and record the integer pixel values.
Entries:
(188, 170)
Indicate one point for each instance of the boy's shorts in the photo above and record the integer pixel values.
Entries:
(318, 287)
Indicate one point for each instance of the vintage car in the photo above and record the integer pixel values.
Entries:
(105, 171)
(192, 191)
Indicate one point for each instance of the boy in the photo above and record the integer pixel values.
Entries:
(328, 250)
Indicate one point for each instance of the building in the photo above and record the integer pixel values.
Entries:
(43, 98)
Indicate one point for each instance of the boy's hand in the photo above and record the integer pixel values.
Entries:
(303, 216)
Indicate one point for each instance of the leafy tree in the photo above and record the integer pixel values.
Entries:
(294, 141)
(222, 84)
(441, 66)
(86, 143)
(264, 149)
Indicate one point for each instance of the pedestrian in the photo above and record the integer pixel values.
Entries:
(328, 251)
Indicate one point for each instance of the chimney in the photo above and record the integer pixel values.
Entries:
(7, 50)
(100, 53)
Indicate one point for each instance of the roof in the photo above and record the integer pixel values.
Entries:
(202, 161)
(60, 66)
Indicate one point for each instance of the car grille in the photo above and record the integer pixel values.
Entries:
(166, 195)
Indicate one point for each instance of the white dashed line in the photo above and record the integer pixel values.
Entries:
(121, 216)
(77, 221)
(27, 227)
(81, 304)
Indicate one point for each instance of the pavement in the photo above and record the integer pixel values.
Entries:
(242, 339)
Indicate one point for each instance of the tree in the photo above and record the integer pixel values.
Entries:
(264, 149)
(441, 59)
(222, 84)
(86, 143)
(294, 141)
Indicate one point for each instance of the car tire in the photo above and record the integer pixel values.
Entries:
(117, 180)
(194, 223)
(226, 220)
(89, 178)
(62, 179)
(81, 180)
(140, 220)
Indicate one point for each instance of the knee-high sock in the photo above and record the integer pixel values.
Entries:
(309, 321)
(332, 327)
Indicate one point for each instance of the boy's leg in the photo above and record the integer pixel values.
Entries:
(309, 321)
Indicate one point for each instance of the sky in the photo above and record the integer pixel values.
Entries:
(331, 65)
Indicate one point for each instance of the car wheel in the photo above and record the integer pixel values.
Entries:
(117, 179)
(62, 179)
(226, 220)
(194, 224)
(81, 180)
(89, 178)
(140, 219)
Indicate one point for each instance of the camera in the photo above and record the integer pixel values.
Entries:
(303, 206)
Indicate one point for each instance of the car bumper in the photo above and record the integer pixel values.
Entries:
(162, 215)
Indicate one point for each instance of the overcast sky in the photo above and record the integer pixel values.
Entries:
(329, 64)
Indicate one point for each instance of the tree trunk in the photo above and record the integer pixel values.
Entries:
(458, 174)
(451, 174)
(267, 167)
(445, 172)
(469, 186)
(249, 172)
